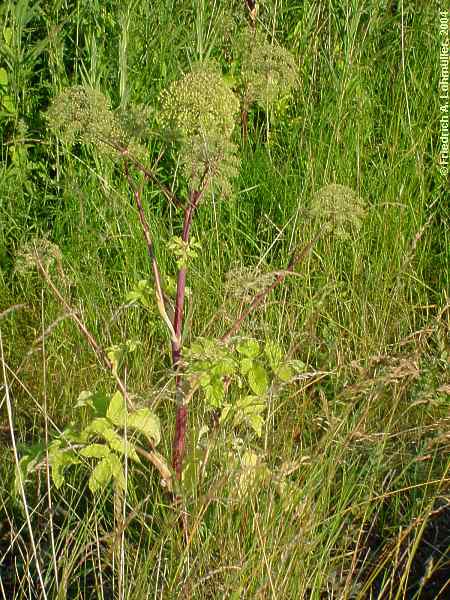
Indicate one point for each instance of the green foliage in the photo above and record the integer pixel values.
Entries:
(184, 251)
(102, 440)
(118, 352)
(247, 371)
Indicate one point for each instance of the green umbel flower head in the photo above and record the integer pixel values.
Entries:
(339, 209)
(201, 110)
(267, 70)
(84, 115)
(199, 104)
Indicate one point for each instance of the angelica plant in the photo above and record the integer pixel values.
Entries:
(197, 114)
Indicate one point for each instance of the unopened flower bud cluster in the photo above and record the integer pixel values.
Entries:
(200, 103)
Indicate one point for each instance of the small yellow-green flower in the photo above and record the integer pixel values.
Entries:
(200, 104)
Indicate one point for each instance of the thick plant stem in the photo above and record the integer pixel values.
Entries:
(151, 254)
(179, 442)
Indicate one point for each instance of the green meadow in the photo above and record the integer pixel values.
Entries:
(334, 483)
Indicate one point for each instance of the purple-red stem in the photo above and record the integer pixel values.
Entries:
(259, 298)
(179, 442)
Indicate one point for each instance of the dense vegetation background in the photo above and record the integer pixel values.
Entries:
(357, 504)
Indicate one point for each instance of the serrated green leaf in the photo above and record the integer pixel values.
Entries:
(284, 372)
(246, 365)
(95, 451)
(101, 475)
(117, 471)
(257, 379)
(145, 421)
(249, 348)
(120, 445)
(274, 354)
(224, 368)
(117, 411)
(215, 394)
(256, 422)
(59, 460)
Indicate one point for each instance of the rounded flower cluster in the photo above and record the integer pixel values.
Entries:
(199, 104)
(201, 110)
(268, 71)
(339, 209)
(84, 114)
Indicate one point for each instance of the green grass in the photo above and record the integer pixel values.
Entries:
(366, 433)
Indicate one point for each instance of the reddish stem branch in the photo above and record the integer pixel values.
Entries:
(151, 254)
(150, 175)
(179, 441)
(259, 298)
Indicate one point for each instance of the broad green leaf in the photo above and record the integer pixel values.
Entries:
(224, 368)
(141, 293)
(196, 349)
(26, 466)
(117, 410)
(118, 444)
(98, 426)
(95, 451)
(84, 399)
(98, 402)
(101, 475)
(204, 379)
(117, 471)
(8, 104)
(298, 366)
(7, 34)
(73, 435)
(246, 365)
(274, 354)
(145, 421)
(225, 412)
(59, 460)
(256, 422)
(251, 405)
(284, 372)
(257, 379)
(249, 348)
(115, 354)
(215, 394)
